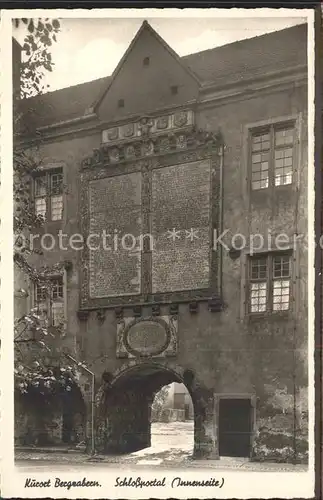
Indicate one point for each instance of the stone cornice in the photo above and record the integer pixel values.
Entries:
(210, 95)
(148, 146)
(215, 304)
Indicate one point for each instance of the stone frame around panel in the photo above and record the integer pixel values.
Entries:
(200, 145)
(169, 349)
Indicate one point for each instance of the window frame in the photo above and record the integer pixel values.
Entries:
(47, 175)
(270, 279)
(270, 128)
(49, 298)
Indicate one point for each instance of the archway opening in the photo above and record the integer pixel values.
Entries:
(172, 421)
(130, 417)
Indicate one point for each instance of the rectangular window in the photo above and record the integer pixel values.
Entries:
(49, 195)
(49, 300)
(40, 195)
(272, 156)
(56, 202)
(269, 283)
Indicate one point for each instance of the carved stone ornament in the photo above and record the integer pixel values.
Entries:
(130, 151)
(147, 148)
(181, 141)
(128, 130)
(145, 125)
(114, 155)
(147, 337)
(164, 144)
(180, 119)
(162, 122)
(173, 132)
(113, 134)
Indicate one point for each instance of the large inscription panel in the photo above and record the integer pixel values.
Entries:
(115, 226)
(181, 227)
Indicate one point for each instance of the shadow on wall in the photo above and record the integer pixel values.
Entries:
(53, 421)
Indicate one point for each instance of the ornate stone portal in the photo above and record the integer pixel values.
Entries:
(153, 191)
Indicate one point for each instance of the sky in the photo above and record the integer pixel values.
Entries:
(88, 49)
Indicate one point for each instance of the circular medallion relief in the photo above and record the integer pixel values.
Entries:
(146, 338)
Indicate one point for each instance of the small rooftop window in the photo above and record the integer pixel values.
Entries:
(174, 89)
(146, 61)
(121, 103)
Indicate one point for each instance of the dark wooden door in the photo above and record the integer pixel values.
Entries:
(235, 420)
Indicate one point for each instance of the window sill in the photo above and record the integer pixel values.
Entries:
(49, 226)
(272, 316)
(279, 187)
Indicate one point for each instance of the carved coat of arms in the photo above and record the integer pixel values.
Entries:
(162, 122)
(130, 151)
(128, 130)
(180, 119)
(113, 134)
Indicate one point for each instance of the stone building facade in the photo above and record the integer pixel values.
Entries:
(178, 404)
(163, 157)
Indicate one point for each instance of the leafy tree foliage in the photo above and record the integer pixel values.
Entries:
(41, 34)
(159, 403)
(39, 367)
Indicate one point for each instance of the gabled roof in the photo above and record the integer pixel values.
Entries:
(145, 26)
(234, 62)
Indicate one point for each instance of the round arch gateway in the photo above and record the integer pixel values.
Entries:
(124, 423)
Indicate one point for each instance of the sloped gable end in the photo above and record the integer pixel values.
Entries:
(149, 76)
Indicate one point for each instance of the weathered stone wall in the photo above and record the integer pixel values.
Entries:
(42, 423)
(37, 425)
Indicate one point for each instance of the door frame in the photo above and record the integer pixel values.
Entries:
(218, 397)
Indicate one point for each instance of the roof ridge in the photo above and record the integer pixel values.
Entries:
(244, 40)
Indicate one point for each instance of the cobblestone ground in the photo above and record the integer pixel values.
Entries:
(172, 446)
